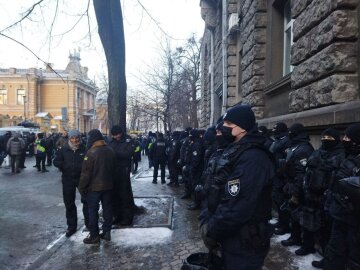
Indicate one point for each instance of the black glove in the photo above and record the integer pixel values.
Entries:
(210, 243)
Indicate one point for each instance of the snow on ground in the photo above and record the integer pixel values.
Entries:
(302, 262)
(133, 237)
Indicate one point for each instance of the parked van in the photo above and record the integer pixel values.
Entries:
(25, 132)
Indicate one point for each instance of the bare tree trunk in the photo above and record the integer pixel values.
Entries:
(111, 32)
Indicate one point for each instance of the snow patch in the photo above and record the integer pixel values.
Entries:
(133, 237)
(301, 262)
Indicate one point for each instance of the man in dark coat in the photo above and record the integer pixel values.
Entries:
(277, 148)
(15, 147)
(241, 221)
(320, 167)
(96, 183)
(295, 166)
(173, 157)
(343, 249)
(123, 198)
(69, 161)
(158, 156)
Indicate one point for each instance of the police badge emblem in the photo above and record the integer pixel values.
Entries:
(303, 162)
(234, 187)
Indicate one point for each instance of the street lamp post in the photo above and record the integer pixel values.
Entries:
(24, 99)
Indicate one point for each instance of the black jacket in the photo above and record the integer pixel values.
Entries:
(124, 149)
(70, 162)
(295, 164)
(247, 191)
(158, 151)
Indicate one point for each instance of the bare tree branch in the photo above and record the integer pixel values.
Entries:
(27, 48)
(27, 14)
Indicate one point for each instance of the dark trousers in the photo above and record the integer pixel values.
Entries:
(245, 258)
(69, 196)
(122, 197)
(40, 161)
(174, 172)
(136, 165)
(49, 158)
(158, 164)
(15, 163)
(279, 198)
(93, 199)
(343, 248)
(295, 230)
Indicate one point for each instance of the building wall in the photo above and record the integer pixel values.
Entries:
(323, 87)
(46, 92)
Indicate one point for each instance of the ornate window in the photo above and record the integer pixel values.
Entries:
(20, 98)
(3, 96)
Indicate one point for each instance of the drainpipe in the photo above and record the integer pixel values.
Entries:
(212, 88)
(224, 54)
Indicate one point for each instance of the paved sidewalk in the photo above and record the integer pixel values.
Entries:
(159, 248)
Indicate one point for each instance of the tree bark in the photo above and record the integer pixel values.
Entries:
(111, 32)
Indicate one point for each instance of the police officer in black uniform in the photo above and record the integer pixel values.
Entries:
(214, 183)
(196, 164)
(343, 249)
(123, 199)
(319, 169)
(157, 153)
(277, 148)
(173, 157)
(184, 161)
(210, 146)
(240, 222)
(295, 166)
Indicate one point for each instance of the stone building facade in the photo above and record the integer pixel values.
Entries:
(291, 60)
(58, 100)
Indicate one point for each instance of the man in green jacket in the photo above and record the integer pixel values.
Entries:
(96, 183)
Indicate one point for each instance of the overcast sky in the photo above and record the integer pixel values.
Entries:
(178, 18)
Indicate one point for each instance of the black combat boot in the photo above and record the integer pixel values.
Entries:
(106, 236)
(291, 242)
(319, 264)
(92, 239)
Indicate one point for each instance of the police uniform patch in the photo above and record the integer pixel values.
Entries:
(195, 153)
(234, 187)
(303, 161)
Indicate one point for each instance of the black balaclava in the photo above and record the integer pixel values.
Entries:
(328, 144)
(353, 133)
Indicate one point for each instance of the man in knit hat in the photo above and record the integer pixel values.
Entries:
(96, 183)
(68, 160)
(240, 222)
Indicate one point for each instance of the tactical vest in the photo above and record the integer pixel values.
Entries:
(225, 166)
(346, 191)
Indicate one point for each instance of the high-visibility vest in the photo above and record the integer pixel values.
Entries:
(137, 149)
(39, 147)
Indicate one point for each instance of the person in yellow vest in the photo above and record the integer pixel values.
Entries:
(40, 150)
(137, 154)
